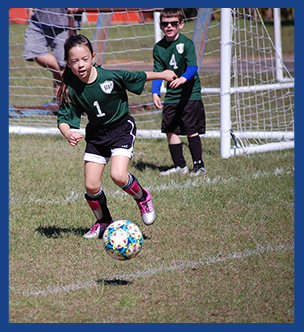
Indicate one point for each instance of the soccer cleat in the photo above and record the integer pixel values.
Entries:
(176, 170)
(146, 209)
(197, 170)
(96, 232)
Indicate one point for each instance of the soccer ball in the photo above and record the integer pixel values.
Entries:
(122, 240)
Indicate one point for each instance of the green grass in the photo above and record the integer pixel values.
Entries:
(221, 249)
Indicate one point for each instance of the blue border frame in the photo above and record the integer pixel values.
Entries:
(299, 115)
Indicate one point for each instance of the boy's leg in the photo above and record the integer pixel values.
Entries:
(171, 124)
(194, 124)
(195, 147)
(176, 151)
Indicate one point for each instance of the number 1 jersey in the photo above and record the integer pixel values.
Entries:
(104, 101)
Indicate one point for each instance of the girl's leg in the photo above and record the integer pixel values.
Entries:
(96, 199)
(129, 183)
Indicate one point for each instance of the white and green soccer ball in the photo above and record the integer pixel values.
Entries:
(122, 240)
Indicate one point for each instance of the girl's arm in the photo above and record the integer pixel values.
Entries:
(71, 136)
(167, 75)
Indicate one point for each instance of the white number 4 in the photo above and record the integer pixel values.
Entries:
(100, 114)
(173, 62)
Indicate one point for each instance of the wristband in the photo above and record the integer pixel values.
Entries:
(190, 72)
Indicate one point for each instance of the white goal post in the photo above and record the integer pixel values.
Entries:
(247, 87)
(277, 86)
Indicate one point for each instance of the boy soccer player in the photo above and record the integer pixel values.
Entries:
(183, 109)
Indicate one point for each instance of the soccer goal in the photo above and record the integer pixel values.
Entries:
(247, 86)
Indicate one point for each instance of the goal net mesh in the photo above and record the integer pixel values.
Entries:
(262, 104)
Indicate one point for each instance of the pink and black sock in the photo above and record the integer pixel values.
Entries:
(98, 204)
(134, 189)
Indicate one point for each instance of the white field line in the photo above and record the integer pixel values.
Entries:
(258, 251)
(173, 184)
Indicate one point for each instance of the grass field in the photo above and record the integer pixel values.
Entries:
(221, 249)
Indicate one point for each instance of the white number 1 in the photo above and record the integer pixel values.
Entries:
(100, 114)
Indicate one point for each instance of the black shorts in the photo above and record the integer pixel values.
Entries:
(115, 139)
(184, 118)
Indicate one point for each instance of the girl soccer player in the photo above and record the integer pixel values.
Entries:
(110, 132)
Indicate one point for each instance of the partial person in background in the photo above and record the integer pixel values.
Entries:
(45, 35)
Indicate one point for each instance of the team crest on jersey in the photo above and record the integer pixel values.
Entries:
(180, 48)
(107, 86)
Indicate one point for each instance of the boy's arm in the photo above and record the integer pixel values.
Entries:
(156, 85)
(188, 74)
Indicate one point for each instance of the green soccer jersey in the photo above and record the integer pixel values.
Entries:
(177, 56)
(104, 101)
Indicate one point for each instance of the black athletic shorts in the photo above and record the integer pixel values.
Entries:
(184, 118)
(115, 139)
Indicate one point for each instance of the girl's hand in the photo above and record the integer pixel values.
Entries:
(74, 138)
(71, 136)
(169, 75)
(177, 82)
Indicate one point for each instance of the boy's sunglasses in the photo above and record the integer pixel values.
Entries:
(173, 23)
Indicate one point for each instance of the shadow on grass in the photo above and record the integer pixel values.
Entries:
(56, 232)
(113, 282)
(141, 166)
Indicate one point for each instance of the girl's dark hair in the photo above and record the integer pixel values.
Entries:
(172, 12)
(72, 41)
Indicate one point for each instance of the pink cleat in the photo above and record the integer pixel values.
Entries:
(146, 209)
(96, 232)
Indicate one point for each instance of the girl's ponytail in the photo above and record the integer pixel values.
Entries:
(63, 95)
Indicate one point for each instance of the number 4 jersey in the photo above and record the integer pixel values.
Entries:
(104, 101)
(177, 56)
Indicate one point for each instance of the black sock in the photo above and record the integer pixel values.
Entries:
(177, 156)
(195, 147)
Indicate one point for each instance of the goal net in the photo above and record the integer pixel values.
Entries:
(247, 90)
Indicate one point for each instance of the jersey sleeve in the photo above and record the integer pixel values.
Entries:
(134, 81)
(190, 54)
(68, 113)
(158, 64)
